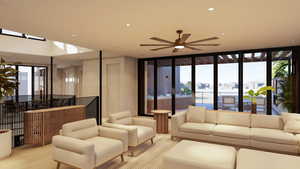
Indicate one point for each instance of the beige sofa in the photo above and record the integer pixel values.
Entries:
(85, 145)
(139, 129)
(234, 128)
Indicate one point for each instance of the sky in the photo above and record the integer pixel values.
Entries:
(253, 71)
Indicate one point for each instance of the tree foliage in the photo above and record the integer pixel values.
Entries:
(252, 95)
(8, 82)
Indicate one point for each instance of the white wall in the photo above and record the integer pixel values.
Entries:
(90, 78)
(127, 87)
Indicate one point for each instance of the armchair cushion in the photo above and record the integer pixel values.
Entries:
(73, 144)
(121, 118)
(82, 129)
(144, 122)
(105, 148)
(118, 134)
(144, 133)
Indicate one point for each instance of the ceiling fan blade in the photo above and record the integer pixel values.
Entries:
(204, 44)
(161, 40)
(189, 47)
(202, 40)
(161, 48)
(185, 37)
(155, 45)
(175, 50)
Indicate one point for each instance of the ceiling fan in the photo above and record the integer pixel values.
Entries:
(180, 43)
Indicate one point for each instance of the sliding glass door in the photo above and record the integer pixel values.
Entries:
(221, 80)
(164, 84)
(204, 82)
(228, 82)
(255, 77)
(282, 81)
(183, 83)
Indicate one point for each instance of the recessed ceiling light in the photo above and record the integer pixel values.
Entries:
(211, 9)
(128, 24)
(179, 47)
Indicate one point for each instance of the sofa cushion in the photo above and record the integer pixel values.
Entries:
(202, 128)
(290, 116)
(292, 126)
(82, 129)
(211, 116)
(273, 136)
(106, 148)
(196, 114)
(234, 118)
(121, 118)
(253, 159)
(232, 131)
(266, 121)
(144, 133)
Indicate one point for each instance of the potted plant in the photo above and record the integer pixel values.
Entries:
(252, 95)
(5, 146)
(8, 81)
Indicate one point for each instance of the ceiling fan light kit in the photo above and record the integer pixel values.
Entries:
(180, 43)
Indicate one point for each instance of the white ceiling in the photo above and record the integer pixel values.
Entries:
(100, 24)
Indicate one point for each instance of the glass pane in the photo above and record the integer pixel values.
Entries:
(254, 77)
(164, 84)
(149, 86)
(282, 96)
(34, 37)
(9, 32)
(25, 86)
(205, 82)
(40, 82)
(228, 82)
(183, 83)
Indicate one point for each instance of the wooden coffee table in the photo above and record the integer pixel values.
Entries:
(161, 117)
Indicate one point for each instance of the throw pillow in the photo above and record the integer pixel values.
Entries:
(196, 114)
(292, 126)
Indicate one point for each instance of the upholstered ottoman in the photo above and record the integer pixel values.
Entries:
(253, 159)
(198, 155)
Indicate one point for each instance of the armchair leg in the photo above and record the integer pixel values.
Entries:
(122, 158)
(132, 153)
(58, 165)
(152, 141)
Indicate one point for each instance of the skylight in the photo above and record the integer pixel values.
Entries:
(20, 35)
(69, 48)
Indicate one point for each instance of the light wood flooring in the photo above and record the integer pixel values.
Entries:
(147, 157)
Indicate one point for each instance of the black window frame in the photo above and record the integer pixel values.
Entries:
(295, 51)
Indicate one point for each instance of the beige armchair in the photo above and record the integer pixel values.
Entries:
(139, 129)
(85, 145)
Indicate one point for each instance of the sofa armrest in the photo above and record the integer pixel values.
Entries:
(145, 122)
(74, 145)
(118, 134)
(132, 132)
(176, 121)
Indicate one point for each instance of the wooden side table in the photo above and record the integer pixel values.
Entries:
(161, 117)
